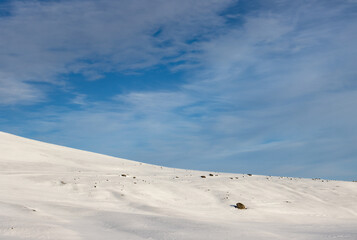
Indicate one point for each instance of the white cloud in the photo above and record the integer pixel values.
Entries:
(12, 92)
(42, 40)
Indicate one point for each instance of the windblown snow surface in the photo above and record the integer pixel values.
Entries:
(53, 192)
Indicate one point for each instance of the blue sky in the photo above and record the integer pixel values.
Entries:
(265, 87)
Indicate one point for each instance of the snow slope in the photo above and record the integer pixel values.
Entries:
(54, 192)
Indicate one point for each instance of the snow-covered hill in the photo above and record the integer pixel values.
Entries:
(54, 192)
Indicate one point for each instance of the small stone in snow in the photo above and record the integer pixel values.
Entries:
(240, 206)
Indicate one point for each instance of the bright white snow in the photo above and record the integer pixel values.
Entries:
(54, 192)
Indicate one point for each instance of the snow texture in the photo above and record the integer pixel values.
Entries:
(53, 192)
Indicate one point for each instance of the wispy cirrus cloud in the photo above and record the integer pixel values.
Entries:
(41, 41)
